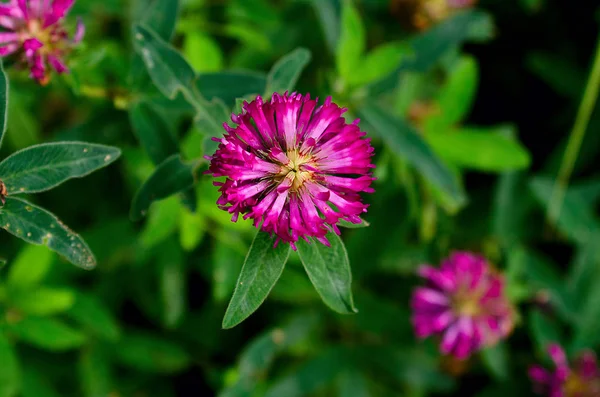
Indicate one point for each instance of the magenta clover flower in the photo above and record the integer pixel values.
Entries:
(294, 168)
(34, 29)
(583, 380)
(463, 303)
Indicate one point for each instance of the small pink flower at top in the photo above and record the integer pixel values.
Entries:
(582, 380)
(463, 303)
(34, 30)
(293, 167)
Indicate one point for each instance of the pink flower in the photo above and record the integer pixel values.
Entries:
(581, 381)
(34, 30)
(463, 303)
(461, 3)
(294, 168)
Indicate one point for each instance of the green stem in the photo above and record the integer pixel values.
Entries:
(575, 139)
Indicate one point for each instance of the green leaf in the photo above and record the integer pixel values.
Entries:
(162, 222)
(3, 101)
(329, 270)
(91, 313)
(38, 226)
(149, 353)
(480, 149)
(259, 354)
(311, 376)
(229, 85)
(226, 267)
(203, 52)
(30, 267)
(457, 95)
(329, 19)
(496, 360)
(35, 384)
(380, 62)
(543, 275)
(95, 372)
(350, 225)
(168, 70)
(408, 144)
(352, 383)
(209, 121)
(47, 333)
(172, 278)
(577, 219)
(285, 73)
(43, 301)
(261, 270)
(10, 374)
(351, 44)
(42, 167)
(512, 209)
(153, 132)
(543, 330)
(170, 177)
(162, 17)
(430, 46)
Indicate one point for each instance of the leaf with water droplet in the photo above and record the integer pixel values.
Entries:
(38, 226)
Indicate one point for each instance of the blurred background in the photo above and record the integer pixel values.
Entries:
(494, 88)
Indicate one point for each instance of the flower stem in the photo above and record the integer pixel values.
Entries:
(575, 139)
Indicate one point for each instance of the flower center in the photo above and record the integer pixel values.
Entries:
(295, 169)
(576, 386)
(466, 304)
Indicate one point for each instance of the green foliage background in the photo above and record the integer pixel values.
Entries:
(474, 170)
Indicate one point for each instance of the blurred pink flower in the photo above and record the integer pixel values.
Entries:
(461, 3)
(294, 168)
(583, 380)
(34, 29)
(463, 303)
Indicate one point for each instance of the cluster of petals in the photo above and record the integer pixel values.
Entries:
(294, 167)
(581, 380)
(33, 29)
(463, 302)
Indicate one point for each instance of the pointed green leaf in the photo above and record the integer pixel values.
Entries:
(329, 270)
(43, 301)
(577, 219)
(92, 314)
(457, 95)
(170, 177)
(150, 353)
(203, 52)
(10, 377)
(231, 84)
(168, 70)
(38, 226)
(311, 376)
(408, 144)
(172, 276)
(153, 132)
(47, 333)
(350, 225)
(496, 359)
(430, 46)
(30, 267)
(95, 372)
(351, 44)
(209, 121)
(262, 268)
(42, 167)
(161, 15)
(285, 73)
(480, 149)
(3, 101)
